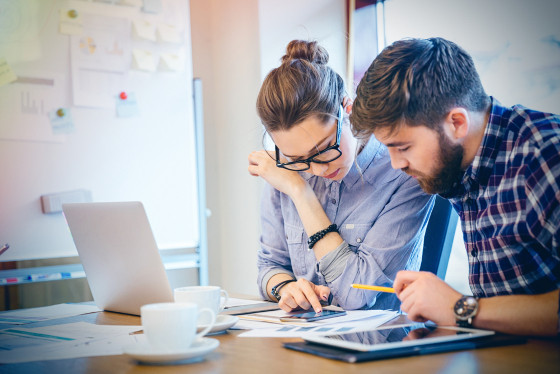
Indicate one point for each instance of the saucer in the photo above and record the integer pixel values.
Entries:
(223, 322)
(142, 352)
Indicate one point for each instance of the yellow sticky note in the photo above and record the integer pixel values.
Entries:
(143, 60)
(170, 62)
(137, 3)
(167, 33)
(7, 75)
(144, 30)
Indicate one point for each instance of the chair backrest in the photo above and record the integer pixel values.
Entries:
(439, 238)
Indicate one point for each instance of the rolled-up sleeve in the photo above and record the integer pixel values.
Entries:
(273, 257)
(381, 214)
(394, 242)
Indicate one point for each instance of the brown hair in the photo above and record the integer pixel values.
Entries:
(416, 82)
(301, 87)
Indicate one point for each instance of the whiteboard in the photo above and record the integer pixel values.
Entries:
(148, 157)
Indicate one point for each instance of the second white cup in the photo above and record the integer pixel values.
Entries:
(171, 327)
(205, 297)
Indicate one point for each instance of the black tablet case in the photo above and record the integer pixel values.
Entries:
(346, 355)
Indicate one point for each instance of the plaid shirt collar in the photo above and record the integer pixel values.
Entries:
(481, 168)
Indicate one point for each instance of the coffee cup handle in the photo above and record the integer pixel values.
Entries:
(210, 325)
(223, 303)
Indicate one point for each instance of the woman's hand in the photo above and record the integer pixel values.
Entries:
(425, 297)
(263, 165)
(347, 104)
(303, 295)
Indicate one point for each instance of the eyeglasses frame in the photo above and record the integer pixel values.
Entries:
(309, 160)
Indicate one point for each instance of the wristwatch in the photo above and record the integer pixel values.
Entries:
(465, 310)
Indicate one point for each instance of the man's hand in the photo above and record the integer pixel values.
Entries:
(425, 297)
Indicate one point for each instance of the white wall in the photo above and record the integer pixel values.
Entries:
(320, 20)
(226, 57)
(235, 44)
(514, 43)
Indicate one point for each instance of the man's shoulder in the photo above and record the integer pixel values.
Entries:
(531, 134)
(534, 127)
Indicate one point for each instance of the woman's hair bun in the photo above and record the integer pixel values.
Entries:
(304, 50)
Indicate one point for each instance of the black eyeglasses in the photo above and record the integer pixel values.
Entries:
(325, 156)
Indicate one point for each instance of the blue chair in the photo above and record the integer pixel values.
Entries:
(438, 239)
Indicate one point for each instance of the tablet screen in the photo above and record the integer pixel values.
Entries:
(397, 336)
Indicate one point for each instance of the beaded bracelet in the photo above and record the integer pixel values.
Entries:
(276, 289)
(319, 235)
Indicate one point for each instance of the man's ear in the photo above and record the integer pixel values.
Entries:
(457, 122)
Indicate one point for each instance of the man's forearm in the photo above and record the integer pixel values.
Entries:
(520, 314)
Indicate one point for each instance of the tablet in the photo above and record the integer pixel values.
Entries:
(397, 336)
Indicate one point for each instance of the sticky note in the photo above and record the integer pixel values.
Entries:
(143, 60)
(70, 22)
(144, 30)
(7, 75)
(137, 3)
(127, 107)
(61, 121)
(167, 33)
(152, 6)
(170, 62)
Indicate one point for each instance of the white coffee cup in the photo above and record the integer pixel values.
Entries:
(204, 297)
(171, 327)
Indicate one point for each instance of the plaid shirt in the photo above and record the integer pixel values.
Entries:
(509, 204)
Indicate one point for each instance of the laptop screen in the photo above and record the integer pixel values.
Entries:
(119, 255)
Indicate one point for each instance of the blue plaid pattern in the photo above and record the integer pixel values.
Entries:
(509, 204)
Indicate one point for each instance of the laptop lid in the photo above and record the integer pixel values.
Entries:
(119, 255)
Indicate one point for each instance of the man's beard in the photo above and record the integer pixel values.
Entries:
(448, 173)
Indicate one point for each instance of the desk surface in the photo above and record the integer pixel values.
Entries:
(267, 355)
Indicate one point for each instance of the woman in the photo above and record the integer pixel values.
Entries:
(334, 212)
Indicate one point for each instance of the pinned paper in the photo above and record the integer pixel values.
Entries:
(144, 30)
(167, 33)
(7, 75)
(126, 104)
(143, 60)
(70, 22)
(152, 6)
(137, 3)
(170, 62)
(61, 121)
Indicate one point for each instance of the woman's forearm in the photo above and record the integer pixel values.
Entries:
(315, 219)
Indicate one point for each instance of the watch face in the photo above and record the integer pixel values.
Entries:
(465, 307)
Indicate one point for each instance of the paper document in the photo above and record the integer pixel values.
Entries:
(71, 340)
(246, 306)
(355, 320)
(233, 302)
(274, 316)
(23, 316)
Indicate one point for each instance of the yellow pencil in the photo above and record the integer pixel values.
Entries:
(374, 288)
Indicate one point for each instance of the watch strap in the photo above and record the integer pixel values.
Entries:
(464, 323)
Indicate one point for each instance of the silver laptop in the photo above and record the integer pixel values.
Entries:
(119, 255)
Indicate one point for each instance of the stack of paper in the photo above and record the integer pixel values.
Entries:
(268, 324)
(24, 316)
(71, 340)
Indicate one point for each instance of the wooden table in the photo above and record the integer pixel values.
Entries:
(267, 355)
